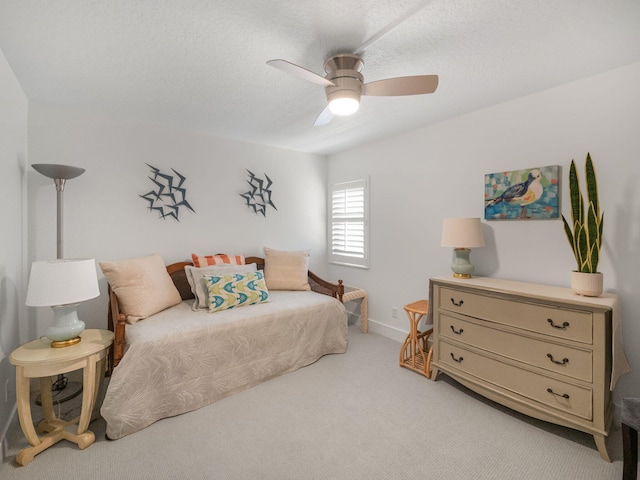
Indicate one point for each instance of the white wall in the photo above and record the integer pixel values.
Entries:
(13, 162)
(104, 217)
(421, 177)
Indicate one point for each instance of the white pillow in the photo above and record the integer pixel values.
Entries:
(142, 285)
(195, 277)
(285, 270)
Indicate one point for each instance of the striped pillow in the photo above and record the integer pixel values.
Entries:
(220, 259)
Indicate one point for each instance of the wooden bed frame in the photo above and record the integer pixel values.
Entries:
(116, 319)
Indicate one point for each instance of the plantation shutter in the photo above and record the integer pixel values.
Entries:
(348, 224)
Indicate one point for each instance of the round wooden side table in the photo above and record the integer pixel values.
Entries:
(37, 359)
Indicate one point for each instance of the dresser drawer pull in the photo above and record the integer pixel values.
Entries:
(561, 327)
(563, 362)
(458, 332)
(459, 304)
(564, 395)
(459, 359)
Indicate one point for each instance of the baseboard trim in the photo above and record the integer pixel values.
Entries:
(4, 446)
(387, 331)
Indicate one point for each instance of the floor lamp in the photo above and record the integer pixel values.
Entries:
(60, 174)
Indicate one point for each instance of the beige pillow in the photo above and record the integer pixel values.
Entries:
(195, 277)
(143, 286)
(285, 270)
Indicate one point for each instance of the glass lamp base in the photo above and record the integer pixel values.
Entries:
(461, 266)
(66, 328)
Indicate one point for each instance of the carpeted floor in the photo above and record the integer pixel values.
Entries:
(346, 417)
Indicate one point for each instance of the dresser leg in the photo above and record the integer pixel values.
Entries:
(602, 447)
(630, 452)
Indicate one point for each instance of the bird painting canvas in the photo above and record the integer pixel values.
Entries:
(530, 194)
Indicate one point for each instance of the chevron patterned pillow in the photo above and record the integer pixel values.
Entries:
(236, 290)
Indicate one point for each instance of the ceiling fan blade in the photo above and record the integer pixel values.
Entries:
(391, 26)
(391, 87)
(300, 72)
(325, 117)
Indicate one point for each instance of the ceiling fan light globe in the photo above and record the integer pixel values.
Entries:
(344, 106)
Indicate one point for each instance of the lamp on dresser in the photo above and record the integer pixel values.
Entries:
(462, 234)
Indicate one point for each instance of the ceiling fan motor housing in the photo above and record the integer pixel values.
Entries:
(344, 71)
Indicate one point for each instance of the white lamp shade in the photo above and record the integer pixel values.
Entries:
(462, 233)
(62, 282)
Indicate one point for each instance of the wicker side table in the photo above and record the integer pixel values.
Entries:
(415, 354)
(353, 293)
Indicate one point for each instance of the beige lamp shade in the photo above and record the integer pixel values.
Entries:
(462, 233)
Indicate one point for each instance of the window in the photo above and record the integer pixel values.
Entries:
(349, 224)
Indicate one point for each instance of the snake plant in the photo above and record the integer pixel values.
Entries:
(586, 237)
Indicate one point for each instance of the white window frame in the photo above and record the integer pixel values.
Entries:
(338, 213)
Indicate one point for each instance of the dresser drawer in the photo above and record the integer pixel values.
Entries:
(573, 362)
(553, 393)
(557, 322)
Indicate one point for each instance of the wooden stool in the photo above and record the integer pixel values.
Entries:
(415, 353)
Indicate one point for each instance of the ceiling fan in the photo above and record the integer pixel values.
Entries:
(344, 84)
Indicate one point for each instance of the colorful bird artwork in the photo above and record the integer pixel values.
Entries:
(507, 200)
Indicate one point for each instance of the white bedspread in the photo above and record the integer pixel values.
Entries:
(179, 360)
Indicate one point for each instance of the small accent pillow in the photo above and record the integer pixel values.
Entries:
(286, 270)
(237, 290)
(143, 286)
(206, 260)
(195, 277)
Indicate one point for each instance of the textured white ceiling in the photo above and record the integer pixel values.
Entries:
(201, 64)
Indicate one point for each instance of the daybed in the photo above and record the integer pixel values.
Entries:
(178, 360)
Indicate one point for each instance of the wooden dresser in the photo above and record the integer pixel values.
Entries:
(540, 350)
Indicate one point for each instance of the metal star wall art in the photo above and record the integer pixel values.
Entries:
(258, 197)
(168, 194)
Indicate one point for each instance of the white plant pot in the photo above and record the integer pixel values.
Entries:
(587, 284)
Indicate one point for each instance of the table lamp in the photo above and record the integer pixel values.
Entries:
(462, 234)
(62, 284)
